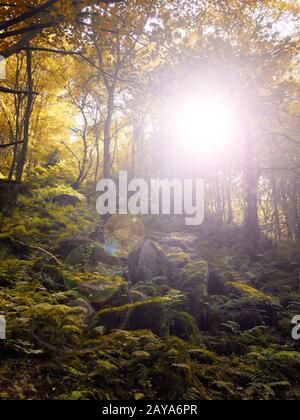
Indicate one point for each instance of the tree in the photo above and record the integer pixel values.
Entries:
(22, 23)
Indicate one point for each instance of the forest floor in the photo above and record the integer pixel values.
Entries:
(94, 311)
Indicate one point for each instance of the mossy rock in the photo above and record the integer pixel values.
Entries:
(183, 325)
(52, 277)
(88, 256)
(112, 321)
(177, 257)
(93, 287)
(147, 262)
(150, 315)
(61, 195)
(65, 200)
(122, 234)
(184, 242)
(67, 246)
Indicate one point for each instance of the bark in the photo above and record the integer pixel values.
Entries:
(230, 218)
(276, 208)
(107, 135)
(252, 228)
(28, 111)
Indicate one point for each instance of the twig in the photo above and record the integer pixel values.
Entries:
(39, 249)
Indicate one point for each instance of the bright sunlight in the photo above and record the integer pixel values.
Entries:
(206, 124)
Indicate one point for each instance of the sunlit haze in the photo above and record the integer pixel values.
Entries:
(204, 124)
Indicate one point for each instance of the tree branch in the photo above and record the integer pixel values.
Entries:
(27, 15)
(15, 92)
(5, 146)
(38, 249)
(62, 52)
(17, 47)
(34, 27)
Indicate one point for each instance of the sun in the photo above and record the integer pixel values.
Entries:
(206, 125)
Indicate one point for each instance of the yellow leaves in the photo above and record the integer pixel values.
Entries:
(72, 329)
(139, 396)
(250, 291)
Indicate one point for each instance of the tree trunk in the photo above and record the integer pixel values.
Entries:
(252, 228)
(28, 111)
(230, 218)
(107, 135)
(276, 208)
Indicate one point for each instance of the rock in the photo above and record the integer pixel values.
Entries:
(52, 277)
(177, 257)
(9, 246)
(65, 200)
(94, 287)
(89, 256)
(84, 304)
(151, 317)
(183, 325)
(68, 245)
(185, 243)
(148, 262)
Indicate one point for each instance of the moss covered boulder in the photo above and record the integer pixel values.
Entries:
(149, 315)
(177, 257)
(89, 255)
(148, 262)
(93, 287)
(183, 325)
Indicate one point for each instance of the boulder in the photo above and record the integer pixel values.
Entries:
(185, 242)
(89, 256)
(177, 257)
(65, 200)
(66, 246)
(184, 326)
(148, 262)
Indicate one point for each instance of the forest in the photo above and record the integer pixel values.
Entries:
(101, 303)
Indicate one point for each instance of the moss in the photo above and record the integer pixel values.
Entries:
(260, 391)
(50, 193)
(13, 270)
(141, 355)
(259, 336)
(204, 356)
(150, 314)
(184, 326)
(242, 352)
(93, 286)
(89, 255)
(152, 317)
(177, 257)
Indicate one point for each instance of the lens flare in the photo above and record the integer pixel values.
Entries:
(93, 274)
(122, 234)
(204, 124)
